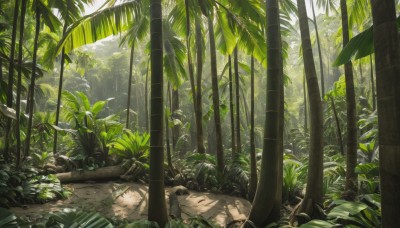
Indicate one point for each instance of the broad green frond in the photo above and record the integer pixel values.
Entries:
(101, 24)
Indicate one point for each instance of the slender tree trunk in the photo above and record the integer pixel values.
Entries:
(232, 112)
(351, 155)
(262, 211)
(157, 210)
(169, 157)
(314, 190)
(215, 94)
(10, 85)
(237, 87)
(128, 105)
(189, 55)
(253, 161)
(372, 84)
(321, 64)
(339, 131)
(387, 62)
(174, 108)
(305, 105)
(362, 80)
(146, 98)
(19, 83)
(31, 98)
(60, 86)
(199, 110)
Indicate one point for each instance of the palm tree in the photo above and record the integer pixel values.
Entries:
(321, 65)
(232, 112)
(314, 190)
(253, 161)
(237, 86)
(11, 78)
(19, 82)
(215, 93)
(31, 97)
(387, 62)
(157, 210)
(261, 213)
(351, 155)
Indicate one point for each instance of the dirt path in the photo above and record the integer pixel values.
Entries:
(129, 201)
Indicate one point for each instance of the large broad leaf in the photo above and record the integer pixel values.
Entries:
(359, 46)
(71, 218)
(101, 24)
(346, 208)
(317, 224)
(7, 219)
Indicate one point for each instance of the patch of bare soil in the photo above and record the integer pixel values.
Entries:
(129, 201)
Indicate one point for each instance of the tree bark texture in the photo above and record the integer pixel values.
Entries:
(351, 155)
(387, 63)
(314, 190)
(157, 210)
(262, 210)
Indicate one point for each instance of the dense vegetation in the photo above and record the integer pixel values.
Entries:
(272, 101)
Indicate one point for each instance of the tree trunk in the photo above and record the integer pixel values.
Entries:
(146, 98)
(111, 172)
(128, 105)
(215, 95)
(31, 98)
(60, 85)
(305, 105)
(199, 110)
(314, 190)
(351, 155)
(174, 108)
(387, 62)
(232, 112)
(19, 83)
(157, 210)
(10, 84)
(262, 211)
(372, 84)
(237, 87)
(169, 157)
(321, 64)
(253, 161)
(339, 131)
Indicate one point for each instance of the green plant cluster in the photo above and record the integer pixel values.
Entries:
(28, 186)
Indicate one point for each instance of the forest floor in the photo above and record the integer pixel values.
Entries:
(129, 201)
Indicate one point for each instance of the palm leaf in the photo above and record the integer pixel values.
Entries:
(359, 46)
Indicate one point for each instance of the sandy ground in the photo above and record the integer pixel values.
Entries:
(129, 201)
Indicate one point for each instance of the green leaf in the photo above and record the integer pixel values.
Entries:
(317, 224)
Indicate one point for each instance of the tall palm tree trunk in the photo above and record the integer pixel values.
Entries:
(11, 80)
(174, 108)
(237, 87)
(387, 62)
(339, 131)
(231, 110)
(31, 98)
(321, 64)
(128, 105)
(215, 94)
(314, 190)
(146, 97)
(351, 155)
(305, 104)
(60, 86)
(253, 161)
(262, 210)
(157, 210)
(19, 83)
(373, 94)
(199, 110)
